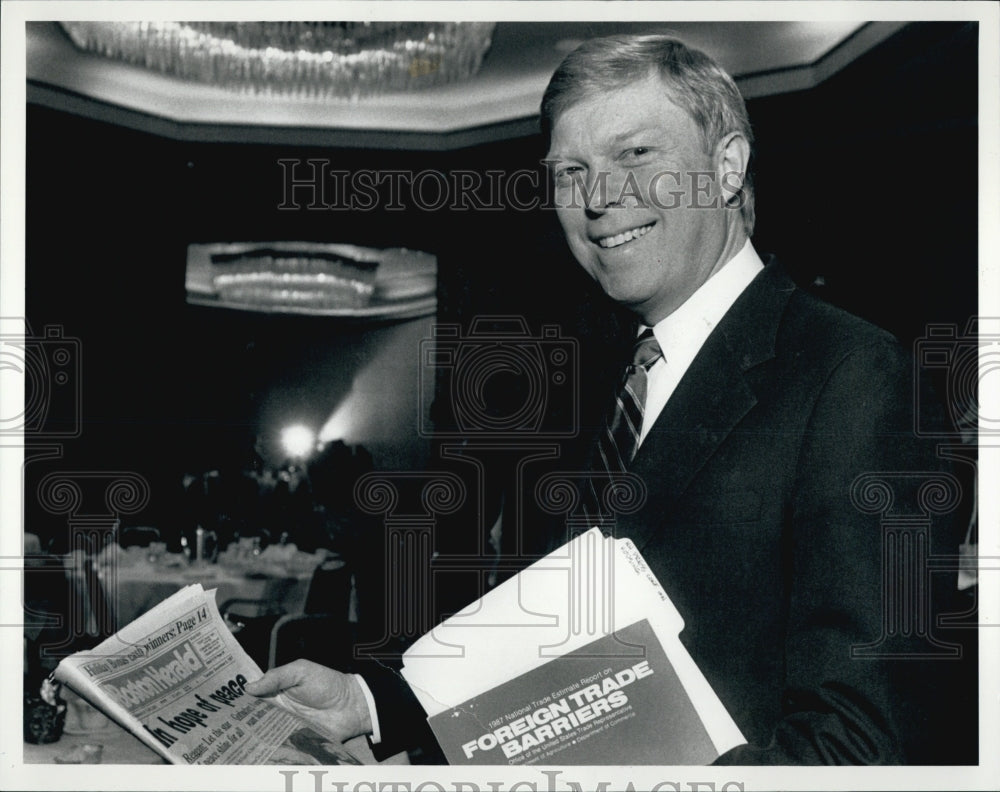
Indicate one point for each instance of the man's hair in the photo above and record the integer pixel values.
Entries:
(694, 82)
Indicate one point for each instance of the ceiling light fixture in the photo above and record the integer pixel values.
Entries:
(322, 59)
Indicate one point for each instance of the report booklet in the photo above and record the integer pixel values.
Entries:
(577, 660)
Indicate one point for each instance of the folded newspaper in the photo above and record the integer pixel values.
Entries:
(175, 679)
(577, 660)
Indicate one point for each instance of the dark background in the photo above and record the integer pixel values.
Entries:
(869, 180)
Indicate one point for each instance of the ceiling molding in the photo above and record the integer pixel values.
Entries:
(802, 78)
(500, 104)
(55, 98)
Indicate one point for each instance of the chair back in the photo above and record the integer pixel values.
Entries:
(329, 590)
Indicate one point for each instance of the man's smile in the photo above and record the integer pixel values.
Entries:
(624, 236)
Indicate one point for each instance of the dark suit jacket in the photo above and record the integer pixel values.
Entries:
(761, 529)
(775, 563)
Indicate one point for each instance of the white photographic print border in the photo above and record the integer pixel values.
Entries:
(15, 775)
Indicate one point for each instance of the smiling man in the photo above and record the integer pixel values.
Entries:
(755, 415)
(765, 425)
(638, 187)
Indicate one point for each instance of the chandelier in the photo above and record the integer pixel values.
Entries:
(321, 59)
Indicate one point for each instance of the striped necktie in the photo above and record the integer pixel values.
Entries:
(616, 446)
(620, 440)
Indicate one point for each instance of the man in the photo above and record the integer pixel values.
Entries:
(760, 413)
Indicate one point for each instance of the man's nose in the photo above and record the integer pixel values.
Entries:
(600, 194)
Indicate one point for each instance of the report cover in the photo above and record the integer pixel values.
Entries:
(617, 700)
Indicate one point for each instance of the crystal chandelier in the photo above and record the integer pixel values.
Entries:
(321, 59)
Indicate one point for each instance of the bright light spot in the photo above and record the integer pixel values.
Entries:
(298, 440)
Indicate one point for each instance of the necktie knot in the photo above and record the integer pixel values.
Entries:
(645, 352)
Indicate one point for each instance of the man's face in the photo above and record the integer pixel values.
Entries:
(639, 198)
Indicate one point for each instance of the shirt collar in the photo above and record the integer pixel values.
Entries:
(682, 333)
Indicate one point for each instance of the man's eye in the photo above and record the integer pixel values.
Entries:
(636, 153)
(568, 172)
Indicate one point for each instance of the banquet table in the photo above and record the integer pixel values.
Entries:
(117, 747)
(134, 589)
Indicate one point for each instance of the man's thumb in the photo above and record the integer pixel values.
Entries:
(272, 683)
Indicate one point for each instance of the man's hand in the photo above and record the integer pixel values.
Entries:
(331, 699)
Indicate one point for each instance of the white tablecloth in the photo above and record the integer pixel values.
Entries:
(133, 590)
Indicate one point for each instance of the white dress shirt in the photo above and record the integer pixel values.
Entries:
(682, 334)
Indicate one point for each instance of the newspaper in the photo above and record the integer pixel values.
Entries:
(175, 679)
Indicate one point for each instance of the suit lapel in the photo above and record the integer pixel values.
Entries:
(712, 397)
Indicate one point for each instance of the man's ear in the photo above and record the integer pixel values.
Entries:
(732, 158)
